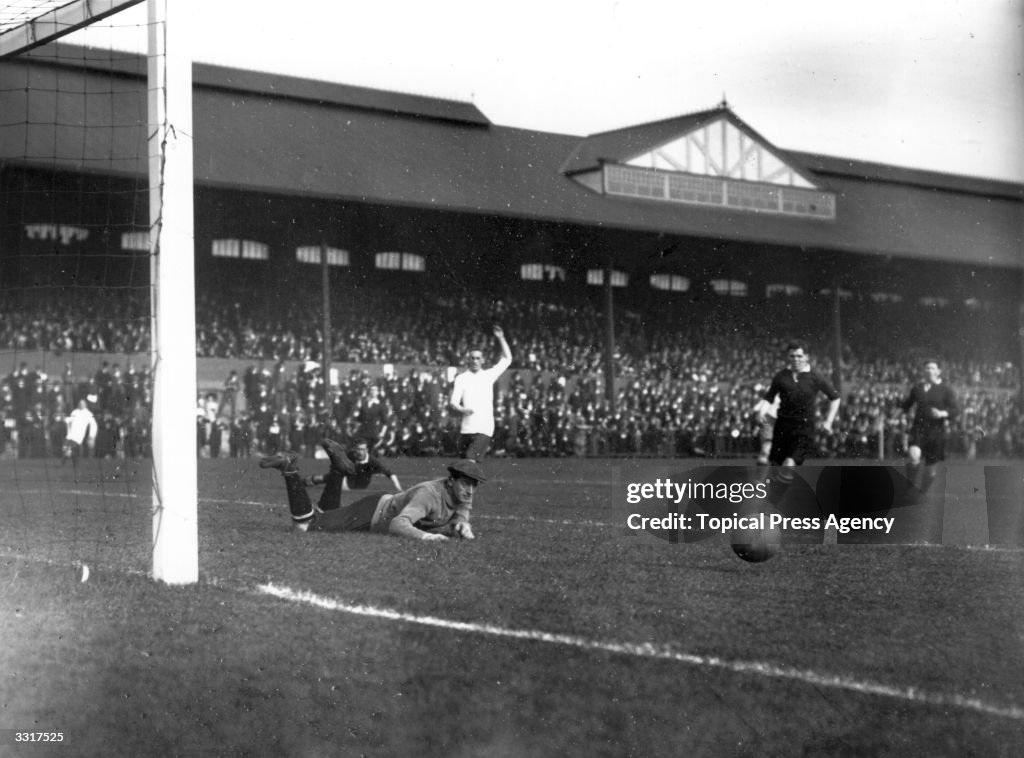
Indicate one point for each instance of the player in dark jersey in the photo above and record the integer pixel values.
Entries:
(351, 469)
(356, 464)
(934, 403)
(796, 387)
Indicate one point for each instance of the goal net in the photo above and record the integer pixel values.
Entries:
(97, 346)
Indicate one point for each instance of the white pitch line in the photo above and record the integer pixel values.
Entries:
(658, 652)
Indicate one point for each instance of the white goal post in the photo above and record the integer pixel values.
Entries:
(25, 24)
(172, 266)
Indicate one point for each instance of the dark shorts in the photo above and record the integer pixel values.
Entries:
(474, 446)
(791, 439)
(355, 517)
(932, 441)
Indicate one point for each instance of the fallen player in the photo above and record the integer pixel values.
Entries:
(431, 510)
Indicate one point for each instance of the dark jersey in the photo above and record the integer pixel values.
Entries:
(927, 396)
(362, 473)
(797, 393)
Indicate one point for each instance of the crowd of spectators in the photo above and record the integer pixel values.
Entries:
(35, 409)
(687, 375)
(76, 320)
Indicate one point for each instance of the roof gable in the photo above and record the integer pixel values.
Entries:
(714, 142)
(721, 148)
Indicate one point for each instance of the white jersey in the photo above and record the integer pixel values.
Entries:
(81, 424)
(476, 392)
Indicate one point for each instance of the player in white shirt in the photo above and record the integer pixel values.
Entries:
(766, 414)
(81, 430)
(473, 399)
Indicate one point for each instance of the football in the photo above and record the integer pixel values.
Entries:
(756, 545)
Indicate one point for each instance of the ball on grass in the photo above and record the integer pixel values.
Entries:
(756, 545)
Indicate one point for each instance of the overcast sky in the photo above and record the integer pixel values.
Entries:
(933, 84)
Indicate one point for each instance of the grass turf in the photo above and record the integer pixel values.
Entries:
(126, 666)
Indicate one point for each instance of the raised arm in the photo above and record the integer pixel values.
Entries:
(506, 351)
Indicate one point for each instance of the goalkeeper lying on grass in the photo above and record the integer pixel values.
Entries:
(432, 510)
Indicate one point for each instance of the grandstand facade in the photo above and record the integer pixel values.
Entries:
(286, 162)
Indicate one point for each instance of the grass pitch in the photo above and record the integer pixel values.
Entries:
(555, 633)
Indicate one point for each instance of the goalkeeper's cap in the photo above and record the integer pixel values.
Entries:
(467, 468)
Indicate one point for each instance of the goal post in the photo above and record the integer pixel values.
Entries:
(168, 162)
(172, 268)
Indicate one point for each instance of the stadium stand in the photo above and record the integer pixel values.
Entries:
(686, 386)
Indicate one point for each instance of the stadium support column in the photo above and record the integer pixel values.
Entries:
(609, 338)
(328, 338)
(837, 336)
(172, 267)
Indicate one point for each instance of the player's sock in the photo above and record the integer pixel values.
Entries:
(298, 500)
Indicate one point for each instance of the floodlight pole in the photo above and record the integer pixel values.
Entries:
(172, 272)
(328, 338)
